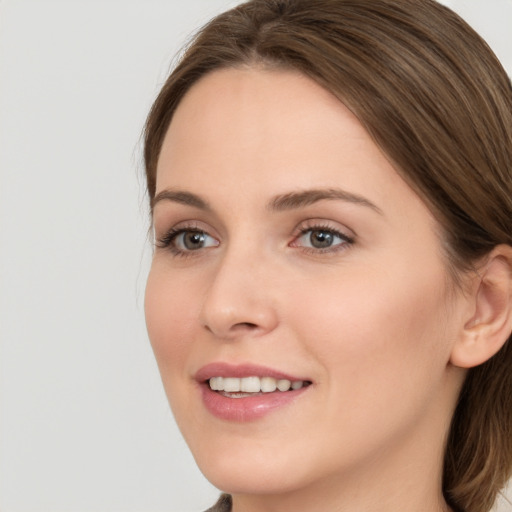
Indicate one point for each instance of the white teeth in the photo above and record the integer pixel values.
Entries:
(253, 384)
(250, 384)
(216, 383)
(268, 384)
(231, 384)
(283, 385)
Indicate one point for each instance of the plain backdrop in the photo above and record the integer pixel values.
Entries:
(84, 423)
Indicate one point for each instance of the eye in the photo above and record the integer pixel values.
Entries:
(184, 240)
(321, 239)
(193, 240)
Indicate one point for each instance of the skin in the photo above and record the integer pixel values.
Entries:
(371, 322)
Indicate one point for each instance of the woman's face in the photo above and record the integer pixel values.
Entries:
(289, 252)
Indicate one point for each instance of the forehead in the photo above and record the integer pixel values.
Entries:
(282, 91)
(268, 132)
(272, 117)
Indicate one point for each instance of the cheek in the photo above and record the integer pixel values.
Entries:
(377, 333)
(168, 312)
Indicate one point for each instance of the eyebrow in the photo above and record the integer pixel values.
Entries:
(283, 202)
(295, 200)
(181, 197)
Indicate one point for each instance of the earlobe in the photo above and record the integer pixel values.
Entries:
(490, 323)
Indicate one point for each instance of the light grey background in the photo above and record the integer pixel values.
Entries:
(84, 423)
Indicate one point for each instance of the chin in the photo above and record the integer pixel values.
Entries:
(251, 479)
(265, 466)
(252, 469)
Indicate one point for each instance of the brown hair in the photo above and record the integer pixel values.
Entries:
(437, 101)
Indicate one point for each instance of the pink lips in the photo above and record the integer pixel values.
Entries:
(248, 408)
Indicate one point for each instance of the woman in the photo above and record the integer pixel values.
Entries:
(330, 296)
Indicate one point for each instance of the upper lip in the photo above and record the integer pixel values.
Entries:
(220, 369)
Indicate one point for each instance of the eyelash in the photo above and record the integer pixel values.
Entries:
(167, 241)
(347, 241)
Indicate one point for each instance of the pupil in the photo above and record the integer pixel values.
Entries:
(193, 240)
(321, 239)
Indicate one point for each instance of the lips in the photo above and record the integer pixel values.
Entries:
(247, 392)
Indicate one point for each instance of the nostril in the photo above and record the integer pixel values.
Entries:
(240, 326)
(248, 325)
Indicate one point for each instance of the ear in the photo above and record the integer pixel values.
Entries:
(490, 322)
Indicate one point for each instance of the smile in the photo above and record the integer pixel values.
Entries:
(241, 393)
(247, 386)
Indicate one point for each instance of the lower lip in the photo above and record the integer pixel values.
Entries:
(248, 408)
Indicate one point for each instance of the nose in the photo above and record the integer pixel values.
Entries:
(239, 302)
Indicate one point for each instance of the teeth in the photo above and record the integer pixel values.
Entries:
(253, 384)
(268, 384)
(250, 384)
(216, 383)
(283, 385)
(231, 384)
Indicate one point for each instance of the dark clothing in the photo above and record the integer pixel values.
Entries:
(223, 505)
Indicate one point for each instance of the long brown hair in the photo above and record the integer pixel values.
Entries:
(437, 101)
